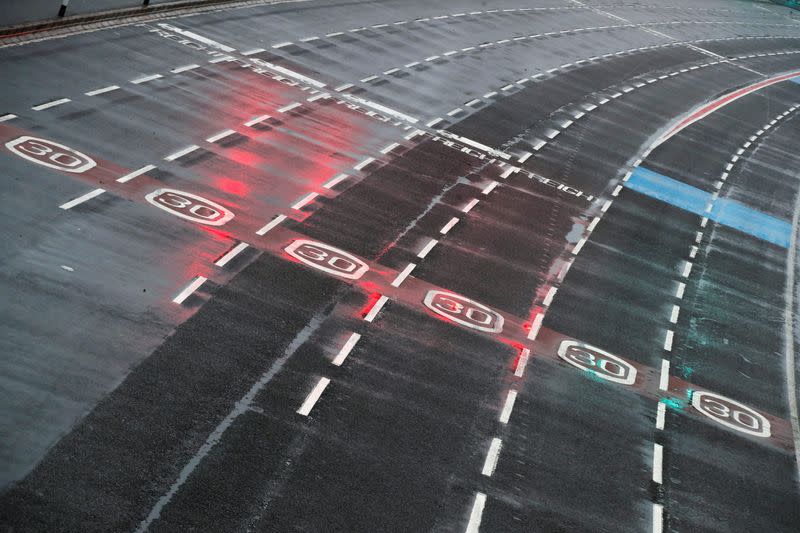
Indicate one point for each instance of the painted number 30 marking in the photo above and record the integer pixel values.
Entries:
(602, 364)
(189, 206)
(327, 258)
(731, 413)
(51, 154)
(464, 311)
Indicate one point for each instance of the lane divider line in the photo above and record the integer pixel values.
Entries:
(313, 396)
(346, 349)
(80, 199)
(193, 286)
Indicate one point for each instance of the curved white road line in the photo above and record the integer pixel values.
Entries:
(789, 359)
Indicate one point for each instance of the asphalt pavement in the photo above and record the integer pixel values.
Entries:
(403, 266)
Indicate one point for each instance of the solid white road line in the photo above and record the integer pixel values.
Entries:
(128, 177)
(522, 362)
(505, 414)
(474, 524)
(48, 105)
(401, 277)
(281, 45)
(181, 153)
(236, 250)
(346, 349)
(663, 381)
(376, 308)
(313, 396)
(102, 90)
(81, 199)
(658, 463)
(271, 224)
(193, 286)
(492, 456)
(427, 248)
(255, 51)
(447, 227)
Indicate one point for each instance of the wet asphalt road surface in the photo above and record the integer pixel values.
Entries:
(403, 266)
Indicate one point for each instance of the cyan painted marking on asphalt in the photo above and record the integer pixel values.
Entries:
(727, 212)
(795, 79)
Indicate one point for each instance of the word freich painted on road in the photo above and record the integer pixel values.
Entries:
(51, 154)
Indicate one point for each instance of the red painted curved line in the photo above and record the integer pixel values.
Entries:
(725, 100)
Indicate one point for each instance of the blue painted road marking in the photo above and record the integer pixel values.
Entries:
(728, 212)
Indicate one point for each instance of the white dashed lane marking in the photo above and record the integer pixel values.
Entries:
(128, 177)
(48, 105)
(427, 248)
(193, 286)
(401, 277)
(508, 407)
(447, 227)
(80, 199)
(181, 153)
(492, 456)
(102, 90)
(236, 250)
(376, 308)
(346, 349)
(475, 516)
(313, 396)
(270, 225)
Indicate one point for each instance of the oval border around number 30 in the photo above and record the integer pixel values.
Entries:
(699, 395)
(12, 147)
(491, 312)
(227, 214)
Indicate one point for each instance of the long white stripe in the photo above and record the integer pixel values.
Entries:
(334, 181)
(658, 518)
(346, 349)
(289, 107)
(548, 299)
(184, 68)
(536, 325)
(196, 37)
(81, 199)
(313, 396)
(305, 200)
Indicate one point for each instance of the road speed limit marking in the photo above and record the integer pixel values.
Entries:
(51, 154)
(601, 363)
(189, 206)
(464, 311)
(731, 413)
(327, 258)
